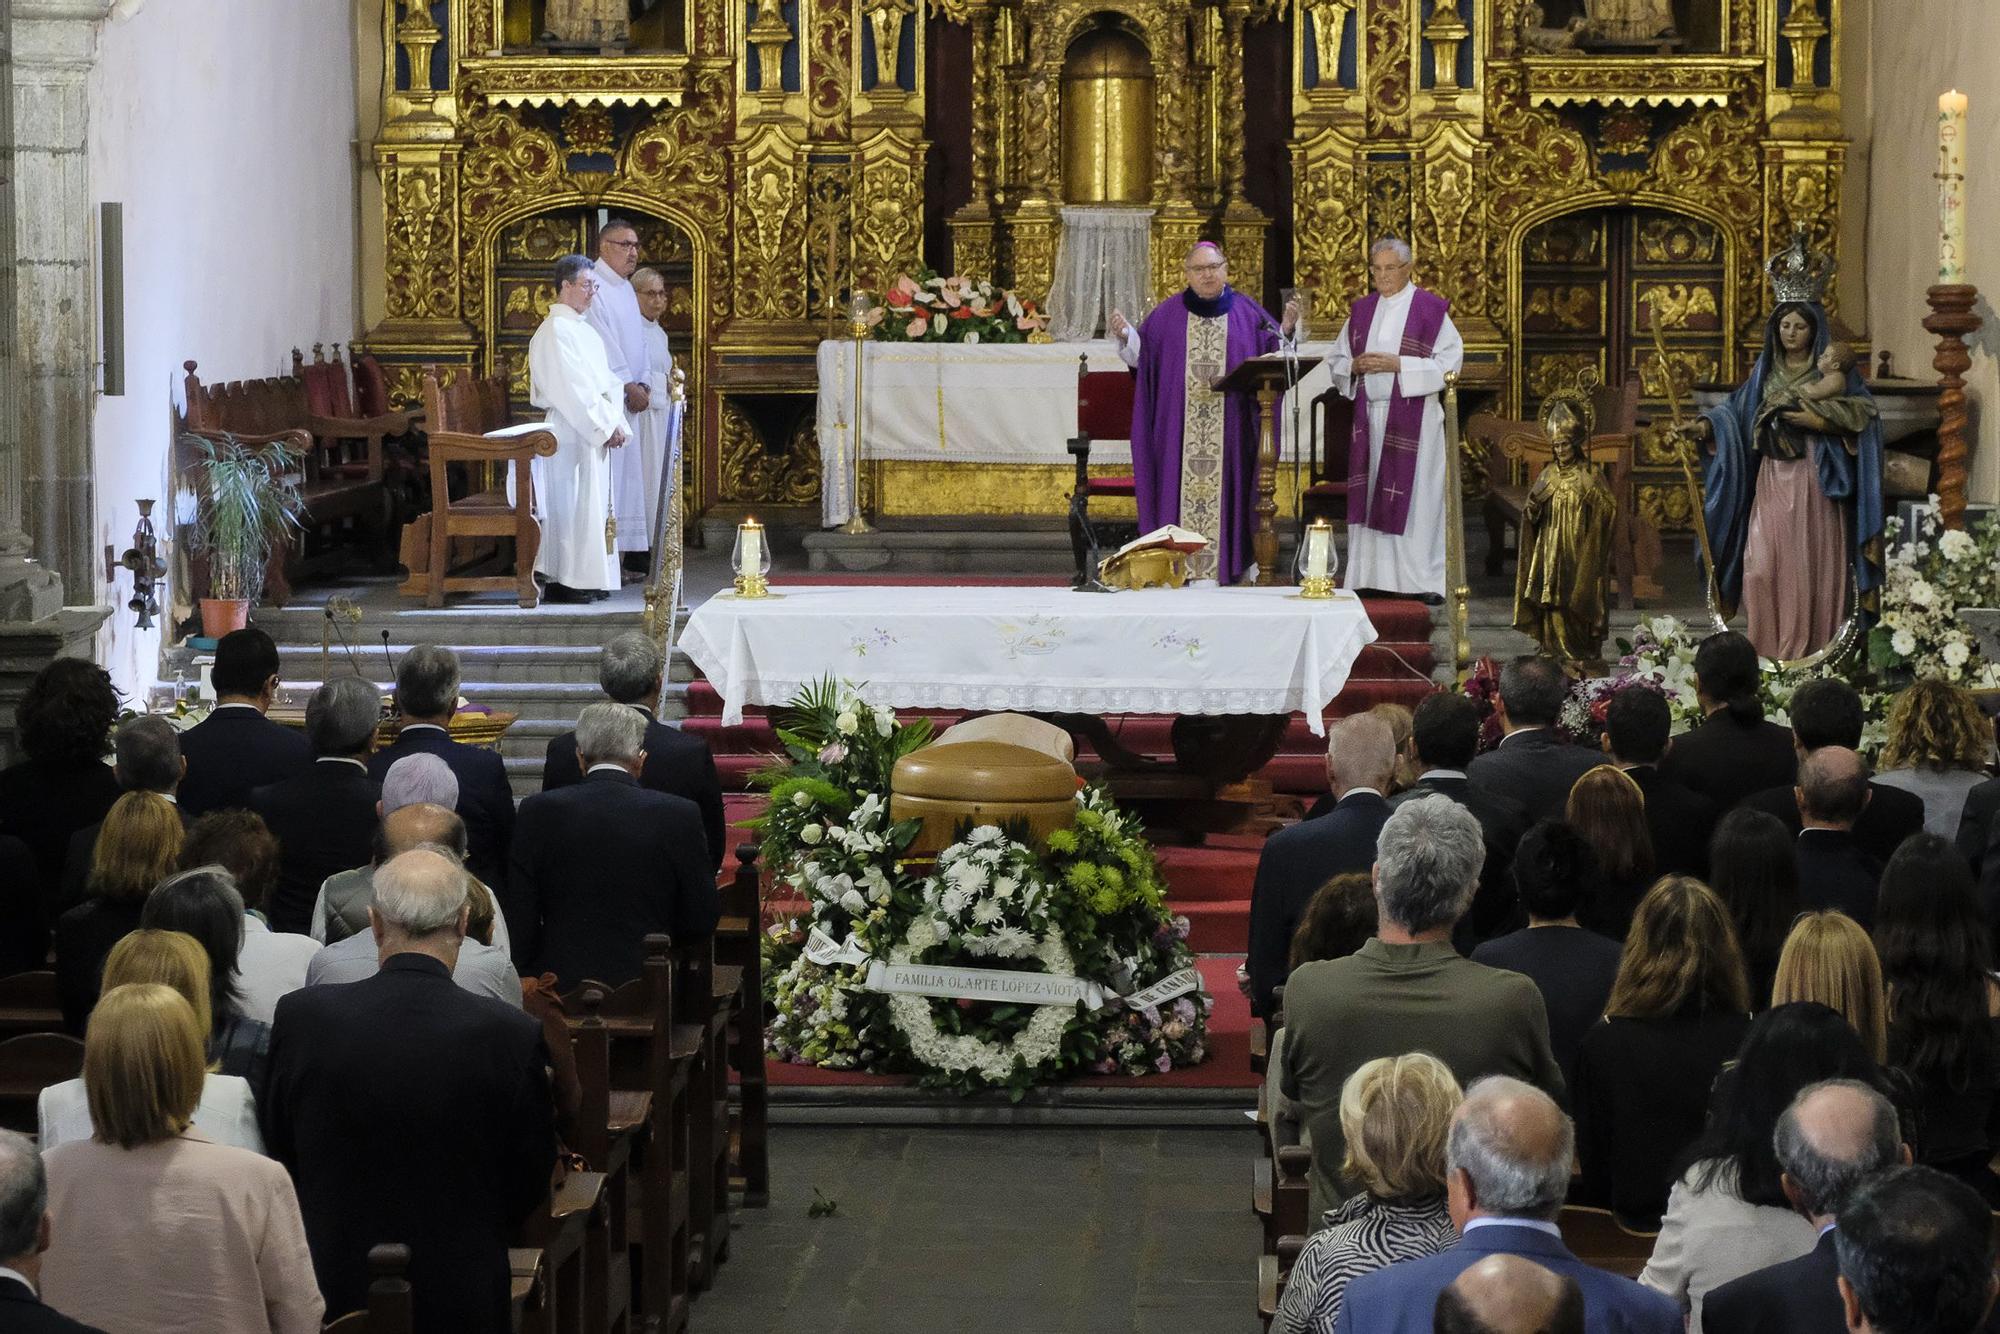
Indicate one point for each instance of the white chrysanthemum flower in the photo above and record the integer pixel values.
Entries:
(1904, 643)
(1955, 653)
(1011, 942)
(966, 876)
(1005, 886)
(923, 934)
(986, 912)
(811, 833)
(985, 834)
(954, 902)
(1956, 545)
(1921, 593)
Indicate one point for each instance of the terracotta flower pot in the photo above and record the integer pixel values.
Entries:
(219, 616)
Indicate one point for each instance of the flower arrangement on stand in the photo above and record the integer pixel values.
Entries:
(1931, 573)
(929, 308)
(1087, 912)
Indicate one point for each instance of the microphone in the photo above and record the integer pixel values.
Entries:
(388, 658)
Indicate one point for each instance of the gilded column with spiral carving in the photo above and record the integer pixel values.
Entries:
(1242, 225)
(972, 225)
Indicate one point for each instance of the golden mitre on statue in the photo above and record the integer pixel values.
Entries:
(1158, 558)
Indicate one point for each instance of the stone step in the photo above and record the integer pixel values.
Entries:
(521, 662)
(301, 625)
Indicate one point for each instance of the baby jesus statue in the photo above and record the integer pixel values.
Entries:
(1566, 525)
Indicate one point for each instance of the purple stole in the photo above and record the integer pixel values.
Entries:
(1387, 508)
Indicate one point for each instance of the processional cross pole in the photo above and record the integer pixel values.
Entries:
(1672, 382)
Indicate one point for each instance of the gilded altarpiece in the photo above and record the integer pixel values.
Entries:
(775, 154)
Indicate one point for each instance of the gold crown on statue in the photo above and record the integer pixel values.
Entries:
(1573, 392)
(1798, 272)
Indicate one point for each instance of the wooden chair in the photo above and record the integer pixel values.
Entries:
(389, 1310)
(1332, 439)
(29, 1003)
(737, 945)
(1635, 541)
(1103, 412)
(1598, 1239)
(461, 416)
(29, 1064)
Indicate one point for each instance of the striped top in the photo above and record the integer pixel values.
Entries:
(1361, 1236)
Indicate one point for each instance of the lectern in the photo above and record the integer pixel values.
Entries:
(1267, 377)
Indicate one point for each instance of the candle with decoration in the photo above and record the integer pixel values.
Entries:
(1951, 187)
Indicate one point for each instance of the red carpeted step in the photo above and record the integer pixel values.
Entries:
(1216, 926)
(1210, 873)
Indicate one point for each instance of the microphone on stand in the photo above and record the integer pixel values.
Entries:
(390, 659)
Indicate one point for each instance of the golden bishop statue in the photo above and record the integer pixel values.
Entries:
(1566, 525)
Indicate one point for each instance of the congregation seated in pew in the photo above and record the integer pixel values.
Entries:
(324, 815)
(138, 846)
(271, 963)
(238, 748)
(204, 904)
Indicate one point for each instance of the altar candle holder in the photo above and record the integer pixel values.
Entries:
(1316, 561)
(751, 560)
(859, 308)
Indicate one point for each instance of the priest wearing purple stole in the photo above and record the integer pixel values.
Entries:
(1194, 451)
(1391, 357)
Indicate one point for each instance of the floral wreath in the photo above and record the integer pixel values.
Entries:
(1034, 1046)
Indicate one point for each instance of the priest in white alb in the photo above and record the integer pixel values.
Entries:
(615, 315)
(656, 431)
(1391, 358)
(569, 376)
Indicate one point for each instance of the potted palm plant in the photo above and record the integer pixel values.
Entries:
(249, 504)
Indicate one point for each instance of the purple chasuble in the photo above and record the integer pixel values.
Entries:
(1160, 403)
(1387, 508)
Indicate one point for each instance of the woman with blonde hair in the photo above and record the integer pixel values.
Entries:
(1828, 958)
(164, 1231)
(137, 847)
(227, 1112)
(1395, 1113)
(1678, 1010)
(1608, 809)
(1940, 743)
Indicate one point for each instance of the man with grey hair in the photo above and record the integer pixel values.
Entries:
(341, 909)
(1295, 862)
(1391, 358)
(410, 1110)
(1507, 1168)
(570, 376)
(677, 762)
(614, 313)
(324, 818)
(147, 753)
(1835, 1136)
(1407, 989)
(427, 682)
(600, 865)
(25, 1232)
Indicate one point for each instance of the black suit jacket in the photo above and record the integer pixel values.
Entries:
(1536, 768)
(21, 1312)
(44, 804)
(1891, 816)
(24, 931)
(1976, 823)
(1834, 872)
(677, 763)
(409, 1110)
(325, 821)
(1679, 819)
(598, 866)
(1502, 820)
(232, 751)
(1797, 1297)
(485, 799)
(1294, 864)
(1726, 761)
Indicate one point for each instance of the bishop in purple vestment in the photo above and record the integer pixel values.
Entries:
(1194, 453)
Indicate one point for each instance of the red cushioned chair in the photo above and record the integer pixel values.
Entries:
(1103, 412)
(1325, 495)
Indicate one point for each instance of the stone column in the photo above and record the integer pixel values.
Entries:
(53, 44)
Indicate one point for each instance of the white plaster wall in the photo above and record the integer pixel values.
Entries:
(1916, 49)
(226, 129)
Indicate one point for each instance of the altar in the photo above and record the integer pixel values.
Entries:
(974, 428)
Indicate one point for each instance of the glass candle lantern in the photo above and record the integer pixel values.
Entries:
(1316, 560)
(751, 560)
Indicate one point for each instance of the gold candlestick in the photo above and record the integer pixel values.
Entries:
(857, 524)
(1952, 320)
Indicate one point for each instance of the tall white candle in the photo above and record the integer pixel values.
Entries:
(753, 550)
(1317, 537)
(1951, 187)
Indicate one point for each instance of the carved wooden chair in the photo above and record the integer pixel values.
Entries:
(388, 1310)
(1332, 438)
(29, 1064)
(1103, 412)
(465, 421)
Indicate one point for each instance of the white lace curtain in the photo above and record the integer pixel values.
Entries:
(1102, 264)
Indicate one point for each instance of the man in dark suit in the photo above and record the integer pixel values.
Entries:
(1507, 1167)
(677, 762)
(427, 695)
(25, 1232)
(236, 747)
(1834, 871)
(1976, 824)
(1916, 1253)
(600, 865)
(148, 759)
(1734, 751)
(1532, 764)
(1444, 737)
(1834, 1136)
(1295, 862)
(1826, 711)
(325, 817)
(1637, 725)
(410, 1110)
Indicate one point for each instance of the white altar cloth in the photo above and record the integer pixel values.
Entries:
(972, 403)
(1036, 650)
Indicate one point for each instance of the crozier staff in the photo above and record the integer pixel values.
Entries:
(569, 375)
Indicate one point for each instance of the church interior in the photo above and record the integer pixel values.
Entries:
(330, 226)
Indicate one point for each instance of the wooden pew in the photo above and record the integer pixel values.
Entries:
(610, 1126)
(1285, 1226)
(1599, 1240)
(389, 1310)
(28, 1064)
(709, 996)
(29, 1004)
(738, 940)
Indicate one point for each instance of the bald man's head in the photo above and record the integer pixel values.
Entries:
(1509, 1153)
(1360, 752)
(1835, 1135)
(410, 827)
(1833, 787)
(1505, 1294)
